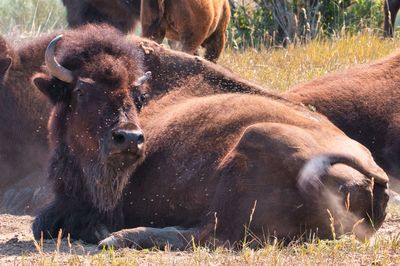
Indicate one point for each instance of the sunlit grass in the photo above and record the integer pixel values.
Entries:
(381, 250)
(280, 68)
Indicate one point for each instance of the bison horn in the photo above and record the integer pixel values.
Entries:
(57, 70)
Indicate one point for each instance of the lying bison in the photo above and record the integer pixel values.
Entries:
(23, 188)
(23, 142)
(199, 156)
(362, 101)
(192, 23)
(391, 7)
(21, 168)
(122, 14)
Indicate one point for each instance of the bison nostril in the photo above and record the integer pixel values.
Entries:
(124, 138)
(140, 139)
(118, 138)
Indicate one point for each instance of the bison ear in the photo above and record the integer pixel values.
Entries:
(48, 87)
(5, 64)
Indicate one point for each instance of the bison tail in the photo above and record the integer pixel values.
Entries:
(310, 175)
(161, 8)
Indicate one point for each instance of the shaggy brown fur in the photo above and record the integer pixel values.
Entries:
(173, 68)
(23, 146)
(7, 56)
(192, 23)
(122, 14)
(169, 69)
(228, 150)
(362, 101)
(391, 7)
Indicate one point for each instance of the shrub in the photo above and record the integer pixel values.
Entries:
(271, 22)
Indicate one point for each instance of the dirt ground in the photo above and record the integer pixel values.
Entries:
(17, 246)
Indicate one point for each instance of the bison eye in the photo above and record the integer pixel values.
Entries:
(143, 97)
(78, 92)
(140, 99)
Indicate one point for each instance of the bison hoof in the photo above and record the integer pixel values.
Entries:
(121, 239)
(111, 242)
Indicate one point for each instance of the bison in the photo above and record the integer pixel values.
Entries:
(23, 119)
(362, 101)
(391, 7)
(122, 14)
(190, 159)
(22, 168)
(192, 23)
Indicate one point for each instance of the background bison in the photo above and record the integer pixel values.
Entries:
(192, 23)
(363, 101)
(23, 144)
(242, 149)
(391, 7)
(122, 14)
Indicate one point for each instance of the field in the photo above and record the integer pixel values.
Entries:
(278, 69)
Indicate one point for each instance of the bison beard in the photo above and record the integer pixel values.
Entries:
(106, 183)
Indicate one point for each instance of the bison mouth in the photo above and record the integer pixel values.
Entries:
(122, 160)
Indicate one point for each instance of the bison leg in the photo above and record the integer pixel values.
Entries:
(191, 41)
(148, 237)
(215, 43)
(259, 178)
(72, 217)
(391, 7)
(76, 12)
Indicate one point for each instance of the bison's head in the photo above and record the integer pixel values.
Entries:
(6, 55)
(94, 120)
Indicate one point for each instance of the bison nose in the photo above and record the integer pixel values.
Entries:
(126, 140)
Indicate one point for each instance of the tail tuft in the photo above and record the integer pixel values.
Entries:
(310, 174)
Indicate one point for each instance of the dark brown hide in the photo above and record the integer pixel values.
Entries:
(391, 7)
(362, 101)
(169, 69)
(192, 23)
(121, 14)
(222, 154)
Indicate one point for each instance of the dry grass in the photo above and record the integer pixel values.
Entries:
(281, 69)
(383, 249)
